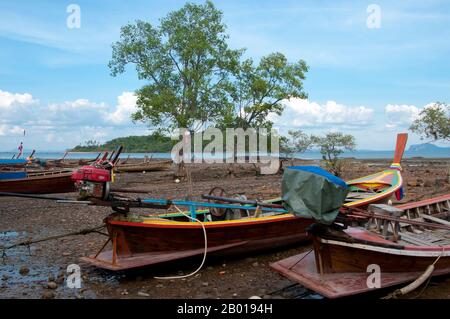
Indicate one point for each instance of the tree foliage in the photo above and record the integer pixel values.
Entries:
(296, 142)
(187, 63)
(433, 122)
(132, 144)
(258, 90)
(332, 145)
(195, 80)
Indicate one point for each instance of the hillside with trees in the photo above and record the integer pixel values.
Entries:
(132, 144)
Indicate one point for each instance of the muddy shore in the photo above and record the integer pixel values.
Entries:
(26, 271)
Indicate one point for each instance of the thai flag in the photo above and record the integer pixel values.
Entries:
(20, 148)
(399, 193)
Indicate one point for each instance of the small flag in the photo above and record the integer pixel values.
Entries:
(399, 193)
(20, 148)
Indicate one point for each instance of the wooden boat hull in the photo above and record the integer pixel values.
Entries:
(303, 269)
(386, 184)
(379, 187)
(140, 244)
(39, 184)
(337, 268)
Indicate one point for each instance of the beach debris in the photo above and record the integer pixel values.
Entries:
(24, 270)
(52, 285)
(48, 294)
(143, 294)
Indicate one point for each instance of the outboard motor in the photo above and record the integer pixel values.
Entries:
(94, 181)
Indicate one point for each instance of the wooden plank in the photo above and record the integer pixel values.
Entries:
(414, 240)
(425, 202)
(435, 219)
(356, 195)
(384, 209)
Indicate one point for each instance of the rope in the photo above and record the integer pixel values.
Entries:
(29, 241)
(300, 259)
(204, 253)
(416, 283)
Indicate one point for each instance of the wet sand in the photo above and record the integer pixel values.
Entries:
(26, 271)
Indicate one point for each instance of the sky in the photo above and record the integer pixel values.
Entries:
(373, 66)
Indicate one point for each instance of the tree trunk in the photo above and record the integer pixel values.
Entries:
(448, 174)
(180, 171)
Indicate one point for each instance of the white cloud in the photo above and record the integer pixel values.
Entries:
(10, 100)
(78, 112)
(301, 113)
(7, 130)
(400, 115)
(126, 105)
(64, 124)
(14, 109)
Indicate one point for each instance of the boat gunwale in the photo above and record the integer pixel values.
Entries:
(386, 193)
(38, 177)
(212, 224)
(414, 251)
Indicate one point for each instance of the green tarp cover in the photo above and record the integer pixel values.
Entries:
(312, 192)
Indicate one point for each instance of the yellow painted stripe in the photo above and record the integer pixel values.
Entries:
(225, 222)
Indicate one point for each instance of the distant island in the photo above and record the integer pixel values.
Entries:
(158, 143)
(154, 143)
(428, 147)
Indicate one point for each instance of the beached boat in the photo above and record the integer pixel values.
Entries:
(153, 239)
(402, 247)
(44, 182)
(63, 163)
(147, 166)
(144, 241)
(379, 187)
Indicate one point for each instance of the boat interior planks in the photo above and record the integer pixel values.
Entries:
(339, 263)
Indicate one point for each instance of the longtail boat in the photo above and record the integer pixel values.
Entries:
(146, 166)
(140, 240)
(63, 163)
(409, 243)
(44, 182)
(379, 187)
(165, 237)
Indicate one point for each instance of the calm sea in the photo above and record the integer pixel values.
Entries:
(307, 155)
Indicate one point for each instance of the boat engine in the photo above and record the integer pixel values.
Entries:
(92, 182)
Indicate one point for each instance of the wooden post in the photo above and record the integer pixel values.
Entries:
(388, 210)
(448, 174)
(193, 212)
(114, 253)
